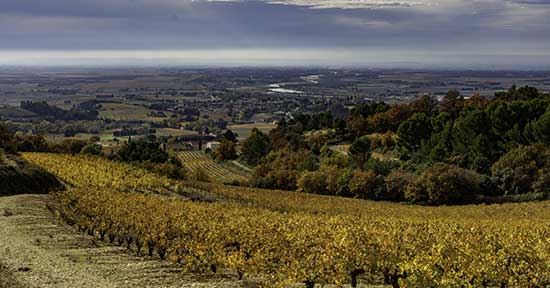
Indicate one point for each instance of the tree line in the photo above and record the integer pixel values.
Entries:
(432, 151)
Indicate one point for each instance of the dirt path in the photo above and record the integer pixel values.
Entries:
(38, 250)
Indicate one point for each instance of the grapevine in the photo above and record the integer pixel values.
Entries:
(302, 238)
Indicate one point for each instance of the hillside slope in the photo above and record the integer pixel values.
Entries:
(38, 250)
(18, 177)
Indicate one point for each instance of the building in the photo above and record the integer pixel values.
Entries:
(212, 145)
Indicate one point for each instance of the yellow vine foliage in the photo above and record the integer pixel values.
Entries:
(292, 238)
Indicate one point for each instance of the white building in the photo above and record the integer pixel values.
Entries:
(212, 145)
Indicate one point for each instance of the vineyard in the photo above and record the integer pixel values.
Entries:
(193, 160)
(286, 238)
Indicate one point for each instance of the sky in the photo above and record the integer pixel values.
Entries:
(491, 34)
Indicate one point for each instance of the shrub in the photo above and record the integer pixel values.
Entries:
(31, 143)
(366, 185)
(71, 146)
(542, 184)
(481, 165)
(396, 183)
(141, 151)
(225, 151)
(387, 141)
(332, 178)
(278, 170)
(92, 149)
(444, 184)
(360, 150)
(518, 170)
(200, 175)
(312, 182)
(255, 147)
(416, 193)
(380, 167)
(170, 170)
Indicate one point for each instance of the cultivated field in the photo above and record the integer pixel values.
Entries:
(217, 172)
(243, 130)
(283, 238)
(128, 112)
(40, 250)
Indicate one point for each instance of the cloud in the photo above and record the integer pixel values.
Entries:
(424, 26)
(355, 4)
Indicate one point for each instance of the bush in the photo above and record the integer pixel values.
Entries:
(255, 147)
(519, 170)
(396, 184)
(140, 151)
(200, 175)
(31, 143)
(542, 184)
(312, 182)
(332, 176)
(481, 165)
(71, 146)
(278, 170)
(444, 184)
(170, 170)
(92, 149)
(225, 151)
(366, 185)
(380, 167)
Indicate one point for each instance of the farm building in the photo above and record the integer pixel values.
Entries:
(212, 145)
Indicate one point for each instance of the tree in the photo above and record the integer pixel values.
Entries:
(310, 163)
(360, 150)
(476, 101)
(200, 175)
(279, 169)
(72, 146)
(452, 103)
(141, 151)
(255, 147)
(226, 151)
(92, 149)
(518, 170)
(389, 120)
(312, 182)
(413, 131)
(366, 185)
(473, 137)
(31, 143)
(230, 136)
(541, 128)
(396, 183)
(444, 184)
(514, 93)
(7, 140)
(425, 104)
